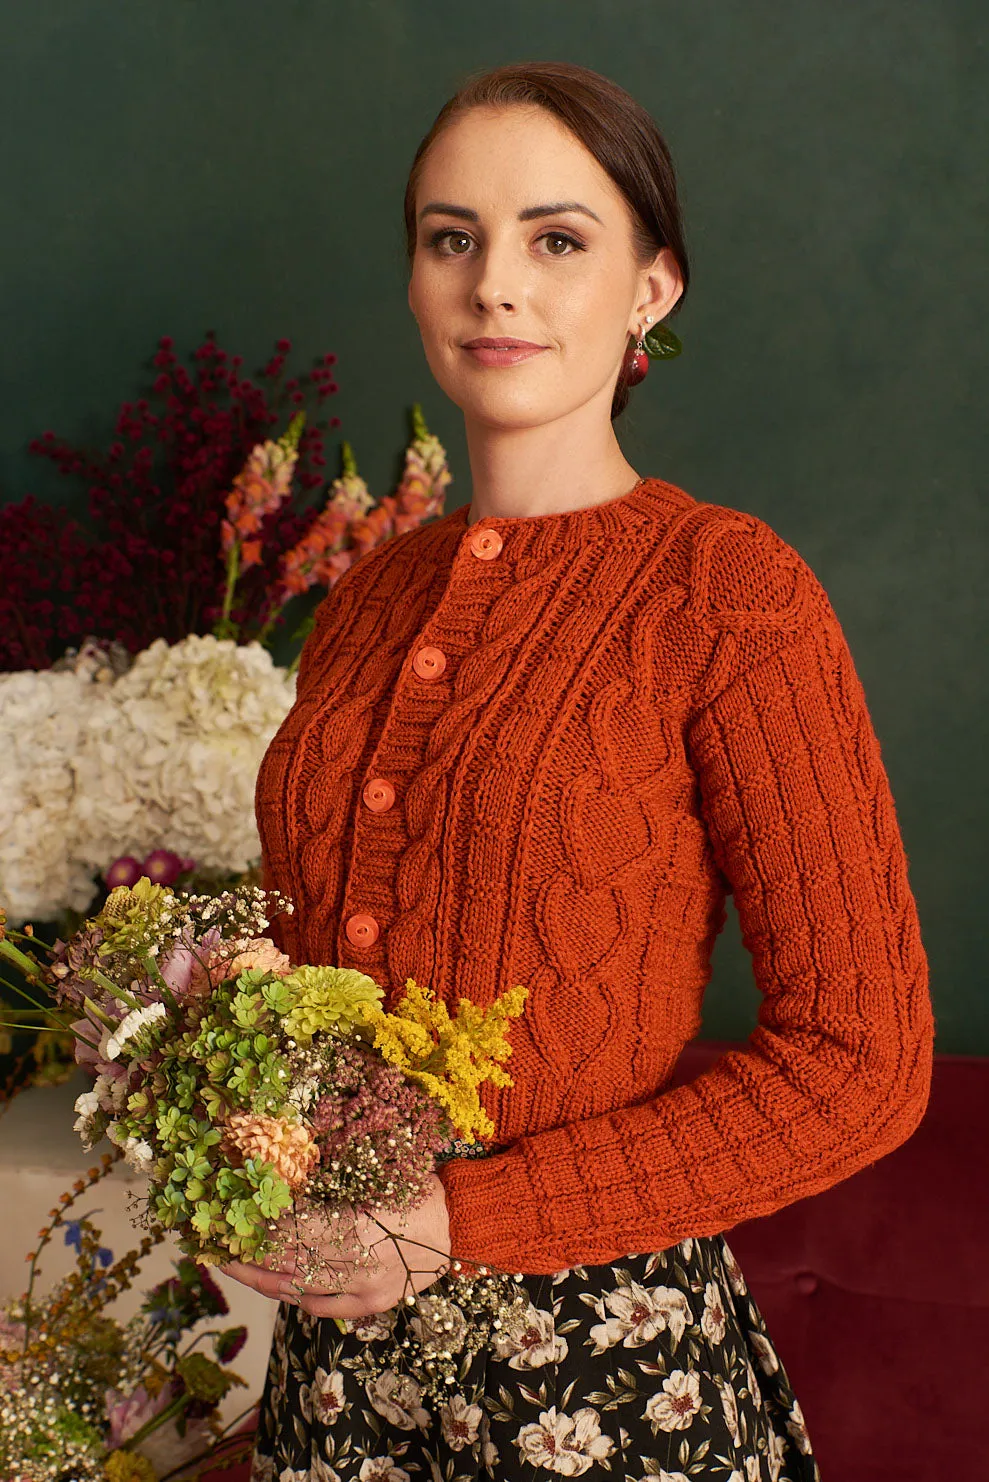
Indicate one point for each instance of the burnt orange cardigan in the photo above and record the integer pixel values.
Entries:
(541, 750)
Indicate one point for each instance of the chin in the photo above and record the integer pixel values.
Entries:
(509, 412)
(499, 399)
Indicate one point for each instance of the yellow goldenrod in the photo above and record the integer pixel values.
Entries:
(451, 1058)
(127, 1466)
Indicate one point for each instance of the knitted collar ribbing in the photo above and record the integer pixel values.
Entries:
(570, 530)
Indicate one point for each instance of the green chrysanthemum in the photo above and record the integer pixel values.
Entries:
(132, 917)
(328, 998)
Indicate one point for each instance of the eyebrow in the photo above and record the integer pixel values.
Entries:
(557, 208)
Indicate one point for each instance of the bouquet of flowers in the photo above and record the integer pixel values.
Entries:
(271, 1105)
(84, 1396)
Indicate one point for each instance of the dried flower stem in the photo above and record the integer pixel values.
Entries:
(119, 993)
(65, 1202)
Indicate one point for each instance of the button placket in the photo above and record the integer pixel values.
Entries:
(428, 663)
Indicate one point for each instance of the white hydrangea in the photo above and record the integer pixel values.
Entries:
(163, 756)
(42, 717)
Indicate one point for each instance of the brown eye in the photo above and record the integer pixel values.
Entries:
(441, 236)
(564, 237)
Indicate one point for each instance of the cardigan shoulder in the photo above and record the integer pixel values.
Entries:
(751, 592)
(745, 575)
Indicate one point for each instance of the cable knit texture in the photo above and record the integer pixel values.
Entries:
(636, 708)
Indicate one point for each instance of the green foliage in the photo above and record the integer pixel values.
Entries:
(204, 1379)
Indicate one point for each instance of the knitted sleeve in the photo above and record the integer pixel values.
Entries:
(837, 1072)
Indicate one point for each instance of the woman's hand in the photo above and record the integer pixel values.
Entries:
(421, 1242)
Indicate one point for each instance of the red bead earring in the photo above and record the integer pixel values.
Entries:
(636, 360)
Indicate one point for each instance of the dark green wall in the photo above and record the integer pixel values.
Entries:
(175, 165)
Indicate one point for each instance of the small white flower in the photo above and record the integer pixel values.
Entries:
(128, 1027)
(139, 1155)
(304, 1093)
(87, 1105)
(103, 1090)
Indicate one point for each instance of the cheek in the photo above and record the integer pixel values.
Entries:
(430, 299)
(590, 313)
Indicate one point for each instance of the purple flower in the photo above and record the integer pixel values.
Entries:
(86, 1031)
(124, 871)
(227, 1345)
(213, 1301)
(163, 867)
(181, 964)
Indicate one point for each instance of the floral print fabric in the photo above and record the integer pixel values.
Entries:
(657, 1368)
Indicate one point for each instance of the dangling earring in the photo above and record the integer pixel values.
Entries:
(636, 360)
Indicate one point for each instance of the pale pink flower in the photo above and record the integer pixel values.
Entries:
(128, 1413)
(713, 1318)
(381, 1469)
(399, 1399)
(459, 1421)
(226, 962)
(180, 966)
(567, 1444)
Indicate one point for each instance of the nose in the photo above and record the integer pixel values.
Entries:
(499, 277)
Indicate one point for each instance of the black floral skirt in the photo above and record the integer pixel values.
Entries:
(657, 1368)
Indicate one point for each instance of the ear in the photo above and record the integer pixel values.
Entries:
(660, 286)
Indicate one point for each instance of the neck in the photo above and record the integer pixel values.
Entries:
(567, 464)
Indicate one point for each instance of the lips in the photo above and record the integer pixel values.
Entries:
(501, 344)
(501, 351)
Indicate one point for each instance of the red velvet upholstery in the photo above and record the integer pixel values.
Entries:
(876, 1294)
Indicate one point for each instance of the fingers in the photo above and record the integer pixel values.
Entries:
(277, 1285)
(350, 1304)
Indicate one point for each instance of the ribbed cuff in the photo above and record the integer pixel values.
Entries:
(492, 1211)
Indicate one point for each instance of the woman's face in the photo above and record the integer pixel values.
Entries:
(564, 279)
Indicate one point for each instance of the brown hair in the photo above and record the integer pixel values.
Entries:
(608, 121)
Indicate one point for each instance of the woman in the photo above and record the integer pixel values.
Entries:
(537, 741)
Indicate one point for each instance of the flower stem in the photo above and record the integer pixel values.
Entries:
(20, 960)
(175, 1408)
(154, 972)
(120, 994)
(224, 627)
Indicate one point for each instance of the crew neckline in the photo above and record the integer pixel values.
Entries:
(585, 516)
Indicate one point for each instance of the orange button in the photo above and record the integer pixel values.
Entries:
(379, 795)
(486, 544)
(429, 663)
(362, 930)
